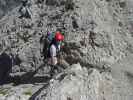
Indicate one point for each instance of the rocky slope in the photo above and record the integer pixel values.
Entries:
(75, 83)
(98, 34)
(82, 84)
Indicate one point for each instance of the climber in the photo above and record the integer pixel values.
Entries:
(54, 48)
(24, 10)
(51, 45)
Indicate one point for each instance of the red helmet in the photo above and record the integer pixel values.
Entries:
(58, 32)
(59, 36)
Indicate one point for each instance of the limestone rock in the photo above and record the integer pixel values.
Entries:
(98, 34)
(79, 84)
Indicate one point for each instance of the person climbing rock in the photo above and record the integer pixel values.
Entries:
(24, 10)
(54, 48)
(51, 49)
(53, 53)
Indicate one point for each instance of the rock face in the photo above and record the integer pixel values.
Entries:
(77, 85)
(98, 34)
(80, 84)
(22, 92)
(6, 6)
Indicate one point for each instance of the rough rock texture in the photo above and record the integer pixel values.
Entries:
(95, 31)
(105, 40)
(21, 92)
(81, 84)
(6, 6)
(98, 34)
(75, 83)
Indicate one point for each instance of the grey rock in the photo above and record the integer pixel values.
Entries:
(6, 6)
(78, 83)
(98, 34)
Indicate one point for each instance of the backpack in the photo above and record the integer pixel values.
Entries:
(50, 36)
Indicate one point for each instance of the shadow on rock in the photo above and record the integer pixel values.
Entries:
(17, 80)
(30, 78)
(5, 67)
(130, 77)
